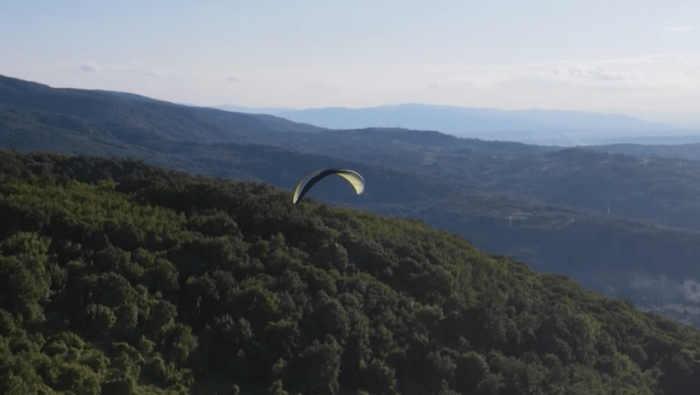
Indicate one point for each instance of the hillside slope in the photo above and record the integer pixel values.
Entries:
(128, 115)
(127, 279)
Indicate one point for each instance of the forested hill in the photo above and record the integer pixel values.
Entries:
(129, 117)
(120, 278)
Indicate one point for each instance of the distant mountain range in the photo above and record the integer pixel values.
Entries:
(256, 110)
(551, 127)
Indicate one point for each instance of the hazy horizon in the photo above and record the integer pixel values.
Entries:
(624, 57)
(339, 118)
(681, 120)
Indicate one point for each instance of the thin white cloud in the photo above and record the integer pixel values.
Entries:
(89, 67)
(231, 79)
(655, 71)
(587, 73)
(678, 28)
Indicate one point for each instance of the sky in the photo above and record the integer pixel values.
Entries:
(630, 56)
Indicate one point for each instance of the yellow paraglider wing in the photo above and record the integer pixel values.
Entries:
(352, 177)
(355, 180)
(300, 186)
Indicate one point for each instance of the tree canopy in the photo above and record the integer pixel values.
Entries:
(121, 278)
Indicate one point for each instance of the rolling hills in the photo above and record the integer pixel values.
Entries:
(546, 206)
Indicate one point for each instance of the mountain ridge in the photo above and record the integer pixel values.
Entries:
(140, 115)
(462, 120)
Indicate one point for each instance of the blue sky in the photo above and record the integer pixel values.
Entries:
(633, 56)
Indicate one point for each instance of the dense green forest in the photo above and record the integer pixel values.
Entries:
(121, 278)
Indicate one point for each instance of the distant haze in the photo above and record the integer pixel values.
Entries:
(532, 126)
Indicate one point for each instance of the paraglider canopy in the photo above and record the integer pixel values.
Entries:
(351, 176)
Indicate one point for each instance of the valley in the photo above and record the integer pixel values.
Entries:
(616, 223)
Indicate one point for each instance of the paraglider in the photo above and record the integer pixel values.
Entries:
(351, 176)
